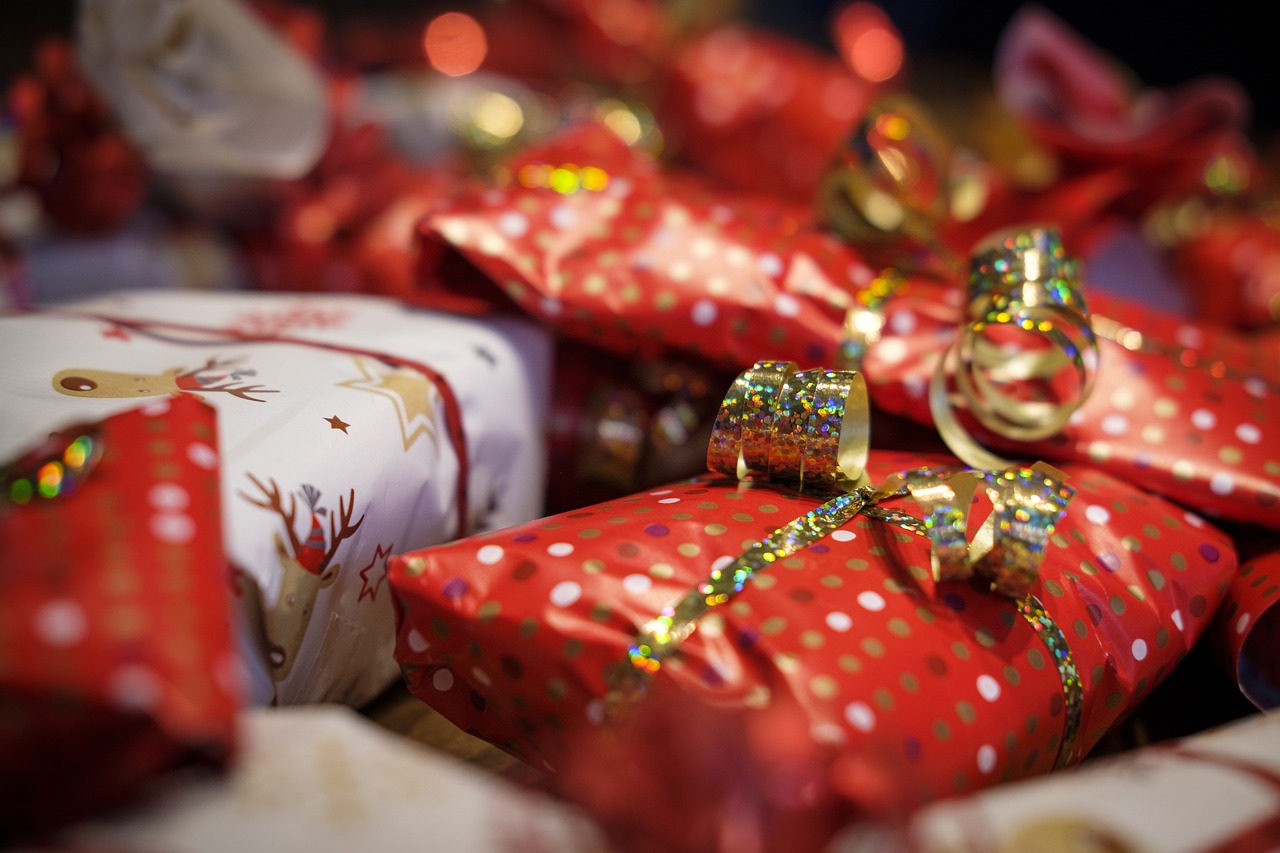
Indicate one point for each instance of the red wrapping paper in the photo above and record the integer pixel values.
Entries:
(509, 634)
(117, 661)
(1233, 266)
(651, 261)
(1246, 632)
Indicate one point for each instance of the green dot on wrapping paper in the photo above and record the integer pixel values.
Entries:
(1113, 701)
(1035, 657)
(1178, 561)
(688, 549)
(812, 640)
(1117, 605)
(849, 663)
(528, 627)
(773, 625)
(925, 615)
(1011, 676)
(714, 529)
(600, 612)
(984, 638)
(1156, 579)
(909, 682)
(488, 611)
(589, 533)
(764, 581)
(1162, 638)
(966, 712)
(556, 688)
(899, 627)
(831, 581)
(941, 730)
(1033, 723)
(571, 649)
(857, 564)
(883, 699)
(1081, 629)
(440, 627)
(873, 647)
(960, 650)
(824, 687)
(1053, 589)
(682, 516)
(1136, 592)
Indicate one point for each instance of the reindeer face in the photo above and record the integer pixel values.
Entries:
(87, 382)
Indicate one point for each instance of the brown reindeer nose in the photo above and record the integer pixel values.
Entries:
(78, 383)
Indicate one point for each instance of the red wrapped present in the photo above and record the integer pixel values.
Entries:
(594, 239)
(118, 658)
(524, 635)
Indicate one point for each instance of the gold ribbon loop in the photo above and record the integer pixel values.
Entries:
(807, 429)
(1021, 282)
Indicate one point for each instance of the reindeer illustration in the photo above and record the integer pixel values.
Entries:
(213, 375)
(306, 567)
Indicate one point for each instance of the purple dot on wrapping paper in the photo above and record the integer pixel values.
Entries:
(710, 676)
(747, 639)
(953, 600)
(454, 588)
(815, 353)
(1209, 552)
(657, 530)
(524, 537)
(1109, 561)
(1142, 460)
(911, 746)
(819, 548)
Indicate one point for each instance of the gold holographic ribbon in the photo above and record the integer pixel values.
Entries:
(1020, 281)
(809, 430)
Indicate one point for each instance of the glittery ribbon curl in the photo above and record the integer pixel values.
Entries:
(1019, 280)
(809, 430)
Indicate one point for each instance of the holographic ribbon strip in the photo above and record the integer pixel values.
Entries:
(808, 430)
(1021, 280)
(52, 470)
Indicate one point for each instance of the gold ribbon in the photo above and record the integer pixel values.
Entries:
(809, 430)
(1019, 280)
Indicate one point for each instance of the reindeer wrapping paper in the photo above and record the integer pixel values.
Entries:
(335, 453)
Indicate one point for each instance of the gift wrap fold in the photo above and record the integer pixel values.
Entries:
(1246, 632)
(606, 247)
(117, 652)
(350, 429)
(954, 653)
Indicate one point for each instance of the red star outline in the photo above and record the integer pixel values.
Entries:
(338, 423)
(365, 588)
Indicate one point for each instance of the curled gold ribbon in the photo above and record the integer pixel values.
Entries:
(1023, 280)
(809, 430)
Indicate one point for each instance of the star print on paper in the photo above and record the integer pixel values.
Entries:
(378, 565)
(338, 423)
(412, 394)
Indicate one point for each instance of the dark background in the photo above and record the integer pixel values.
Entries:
(1164, 44)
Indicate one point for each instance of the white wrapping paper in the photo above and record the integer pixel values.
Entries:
(333, 458)
(323, 779)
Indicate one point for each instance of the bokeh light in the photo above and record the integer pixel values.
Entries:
(455, 44)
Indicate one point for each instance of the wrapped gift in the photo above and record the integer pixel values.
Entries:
(525, 635)
(1217, 790)
(598, 241)
(118, 661)
(323, 778)
(351, 428)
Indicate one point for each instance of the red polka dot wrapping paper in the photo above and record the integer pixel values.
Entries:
(1246, 632)
(1231, 263)
(117, 660)
(509, 634)
(662, 261)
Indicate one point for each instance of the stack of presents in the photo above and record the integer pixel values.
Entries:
(612, 425)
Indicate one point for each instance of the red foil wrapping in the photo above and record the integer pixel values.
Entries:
(938, 688)
(88, 177)
(641, 261)
(1246, 632)
(117, 662)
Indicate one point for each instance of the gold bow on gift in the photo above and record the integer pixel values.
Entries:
(809, 430)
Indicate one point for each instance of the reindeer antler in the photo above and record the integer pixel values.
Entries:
(274, 502)
(335, 536)
(242, 391)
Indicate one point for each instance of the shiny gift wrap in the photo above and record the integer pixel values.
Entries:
(528, 635)
(626, 256)
(1246, 632)
(118, 660)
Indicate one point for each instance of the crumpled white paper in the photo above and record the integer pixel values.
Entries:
(204, 88)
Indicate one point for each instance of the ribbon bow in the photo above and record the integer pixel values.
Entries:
(809, 430)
